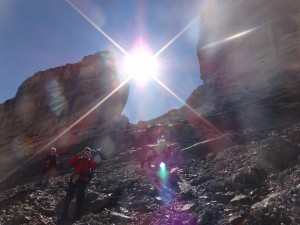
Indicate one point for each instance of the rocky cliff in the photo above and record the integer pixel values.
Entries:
(249, 59)
(247, 46)
(61, 107)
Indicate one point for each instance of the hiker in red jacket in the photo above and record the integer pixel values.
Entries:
(83, 163)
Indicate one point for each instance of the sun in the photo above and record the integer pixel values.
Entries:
(141, 65)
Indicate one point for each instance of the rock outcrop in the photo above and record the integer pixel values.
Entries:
(63, 107)
(249, 58)
(247, 47)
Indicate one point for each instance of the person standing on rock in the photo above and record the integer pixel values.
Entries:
(162, 150)
(49, 168)
(83, 163)
(150, 158)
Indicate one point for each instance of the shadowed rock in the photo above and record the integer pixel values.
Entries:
(54, 100)
(277, 154)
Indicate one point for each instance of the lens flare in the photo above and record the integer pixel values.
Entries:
(165, 191)
(141, 65)
(163, 172)
(235, 36)
(55, 97)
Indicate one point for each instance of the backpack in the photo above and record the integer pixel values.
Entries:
(91, 172)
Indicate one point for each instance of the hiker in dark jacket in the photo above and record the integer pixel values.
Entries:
(82, 163)
(150, 158)
(49, 168)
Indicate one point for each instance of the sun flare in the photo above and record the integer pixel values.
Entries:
(141, 65)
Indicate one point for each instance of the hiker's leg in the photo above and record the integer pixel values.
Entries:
(42, 177)
(80, 195)
(68, 198)
(50, 173)
(46, 179)
(40, 182)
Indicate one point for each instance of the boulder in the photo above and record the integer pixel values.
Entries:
(277, 154)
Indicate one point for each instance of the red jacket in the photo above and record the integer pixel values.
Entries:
(82, 165)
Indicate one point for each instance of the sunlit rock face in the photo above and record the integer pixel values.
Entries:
(245, 45)
(249, 54)
(54, 101)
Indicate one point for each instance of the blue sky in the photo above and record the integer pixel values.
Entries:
(36, 35)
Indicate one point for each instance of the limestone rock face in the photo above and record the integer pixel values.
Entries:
(60, 107)
(249, 55)
(247, 46)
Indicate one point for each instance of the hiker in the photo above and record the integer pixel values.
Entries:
(49, 168)
(162, 150)
(83, 162)
(167, 153)
(96, 156)
(150, 157)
